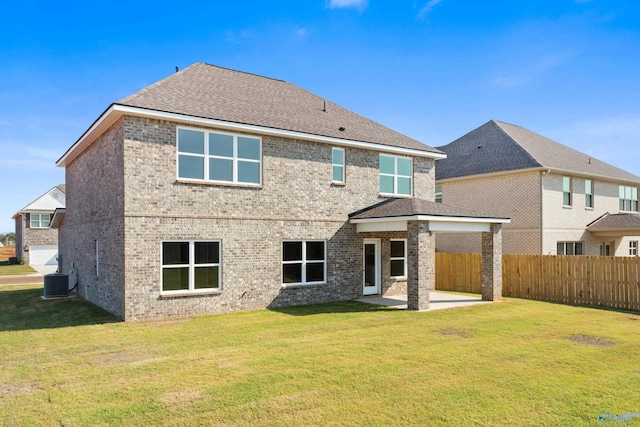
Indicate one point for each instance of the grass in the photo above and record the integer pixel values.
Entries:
(12, 270)
(513, 363)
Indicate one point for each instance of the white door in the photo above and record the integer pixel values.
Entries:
(371, 261)
(43, 255)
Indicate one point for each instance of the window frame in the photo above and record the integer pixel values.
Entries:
(633, 248)
(438, 194)
(567, 193)
(628, 198)
(303, 262)
(402, 258)
(574, 246)
(191, 266)
(334, 165)
(40, 221)
(207, 157)
(588, 196)
(395, 175)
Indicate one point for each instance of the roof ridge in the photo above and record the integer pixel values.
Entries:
(239, 71)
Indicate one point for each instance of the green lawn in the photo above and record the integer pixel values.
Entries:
(67, 363)
(16, 269)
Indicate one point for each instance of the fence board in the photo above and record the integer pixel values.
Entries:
(587, 280)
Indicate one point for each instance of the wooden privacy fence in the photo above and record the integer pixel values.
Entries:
(588, 280)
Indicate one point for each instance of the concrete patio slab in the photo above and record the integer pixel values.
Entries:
(438, 301)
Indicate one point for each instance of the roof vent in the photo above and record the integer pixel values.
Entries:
(341, 129)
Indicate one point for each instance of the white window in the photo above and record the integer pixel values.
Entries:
(569, 248)
(219, 157)
(438, 193)
(566, 191)
(633, 248)
(628, 198)
(39, 220)
(588, 193)
(189, 266)
(398, 258)
(304, 262)
(396, 175)
(338, 165)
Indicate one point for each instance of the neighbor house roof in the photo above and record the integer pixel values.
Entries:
(207, 94)
(611, 222)
(501, 147)
(406, 208)
(48, 202)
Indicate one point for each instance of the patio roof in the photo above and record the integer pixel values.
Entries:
(610, 225)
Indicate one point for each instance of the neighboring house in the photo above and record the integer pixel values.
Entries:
(560, 201)
(215, 190)
(36, 241)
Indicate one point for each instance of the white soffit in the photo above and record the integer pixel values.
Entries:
(382, 226)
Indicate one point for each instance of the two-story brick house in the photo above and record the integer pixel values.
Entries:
(36, 241)
(215, 190)
(560, 201)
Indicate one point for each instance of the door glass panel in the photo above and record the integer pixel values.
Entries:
(369, 264)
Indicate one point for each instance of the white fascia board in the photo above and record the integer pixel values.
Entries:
(116, 111)
(434, 218)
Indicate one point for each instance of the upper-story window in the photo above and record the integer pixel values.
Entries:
(219, 157)
(566, 191)
(588, 193)
(628, 198)
(438, 193)
(337, 164)
(39, 220)
(396, 175)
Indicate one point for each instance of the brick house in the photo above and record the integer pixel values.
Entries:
(36, 241)
(560, 201)
(222, 191)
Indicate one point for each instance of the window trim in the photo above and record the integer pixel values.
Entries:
(569, 192)
(395, 175)
(192, 266)
(574, 244)
(403, 258)
(207, 157)
(343, 165)
(304, 263)
(633, 248)
(39, 221)
(588, 197)
(438, 194)
(623, 200)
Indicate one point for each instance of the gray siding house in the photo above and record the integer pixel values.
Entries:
(215, 190)
(560, 201)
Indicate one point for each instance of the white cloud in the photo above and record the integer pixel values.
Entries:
(342, 4)
(427, 8)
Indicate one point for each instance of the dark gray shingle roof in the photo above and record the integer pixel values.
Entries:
(616, 222)
(411, 207)
(500, 147)
(212, 92)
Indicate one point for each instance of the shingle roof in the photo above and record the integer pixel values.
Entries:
(500, 147)
(395, 207)
(211, 92)
(619, 221)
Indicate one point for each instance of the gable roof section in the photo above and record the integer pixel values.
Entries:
(48, 202)
(225, 96)
(501, 147)
(621, 221)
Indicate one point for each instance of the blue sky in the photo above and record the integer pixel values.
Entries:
(431, 69)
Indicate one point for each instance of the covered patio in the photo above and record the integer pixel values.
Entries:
(416, 221)
(437, 301)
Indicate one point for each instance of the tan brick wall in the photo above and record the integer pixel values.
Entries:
(146, 205)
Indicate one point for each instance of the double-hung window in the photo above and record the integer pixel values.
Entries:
(566, 191)
(337, 165)
(189, 266)
(39, 220)
(633, 248)
(628, 198)
(398, 258)
(396, 175)
(304, 262)
(219, 157)
(588, 193)
(438, 193)
(569, 248)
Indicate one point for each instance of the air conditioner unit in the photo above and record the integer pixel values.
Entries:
(56, 285)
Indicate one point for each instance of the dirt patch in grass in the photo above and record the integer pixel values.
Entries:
(179, 398)
(12, 390)
(454, 332)
(590, 340)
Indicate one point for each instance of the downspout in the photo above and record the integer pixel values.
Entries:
(542, 175)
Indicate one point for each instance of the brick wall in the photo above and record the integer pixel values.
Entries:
(27, 236)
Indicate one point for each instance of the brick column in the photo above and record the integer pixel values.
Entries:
(492, 263)
(421, 263)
